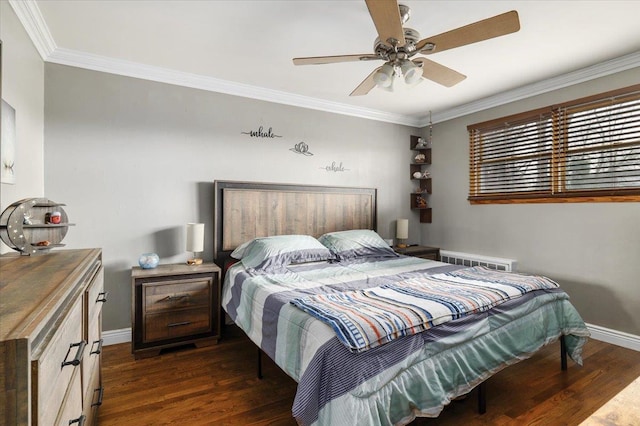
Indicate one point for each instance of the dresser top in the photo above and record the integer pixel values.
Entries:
(34, 288)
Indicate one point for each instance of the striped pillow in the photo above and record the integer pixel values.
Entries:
(357, 243)
(269, 253)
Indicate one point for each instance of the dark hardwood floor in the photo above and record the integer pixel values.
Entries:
(217, 385)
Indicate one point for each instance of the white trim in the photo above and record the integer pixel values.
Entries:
(164, 75)
(607, 335)
(619, 338)
(603, 69)
(29, 15)
(113, 337)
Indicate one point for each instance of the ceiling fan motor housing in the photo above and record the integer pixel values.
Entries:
(386, 52)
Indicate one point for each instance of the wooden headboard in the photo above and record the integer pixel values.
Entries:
(246, 210)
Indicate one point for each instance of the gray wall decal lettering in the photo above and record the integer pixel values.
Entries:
(333, 167)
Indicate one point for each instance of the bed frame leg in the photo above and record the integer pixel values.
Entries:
(563, 354)
(482, 398)
(259, 364)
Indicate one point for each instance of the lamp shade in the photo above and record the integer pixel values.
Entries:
(384, 76)
(412, 73)
(402, 229)
(195, 237)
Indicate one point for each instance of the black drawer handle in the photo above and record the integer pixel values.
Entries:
(174, 298)
(80, 420)
(100, 391)
(97, 351)
(102, 297)
(178, 324)
(76, 360)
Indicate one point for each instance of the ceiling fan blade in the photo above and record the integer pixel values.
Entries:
(366, 85)
(496, 26)
(439, 73)
(318, 60)
(386, 18)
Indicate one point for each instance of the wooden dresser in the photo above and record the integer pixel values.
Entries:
(51, 338)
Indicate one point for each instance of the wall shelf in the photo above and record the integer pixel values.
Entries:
(419, 197)
(24, 237)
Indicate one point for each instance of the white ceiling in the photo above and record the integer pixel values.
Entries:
(246, 47)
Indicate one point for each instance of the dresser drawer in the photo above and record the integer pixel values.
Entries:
(53, 370)
(72, 406)
(177, 323)
(186, 293)
(92, 353)
(92, 396)
(96, 296)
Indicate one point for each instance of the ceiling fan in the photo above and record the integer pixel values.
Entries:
(396, 45)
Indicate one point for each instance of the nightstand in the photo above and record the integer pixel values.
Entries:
(174, 305)
(431, 253)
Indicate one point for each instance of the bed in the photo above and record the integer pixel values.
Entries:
(326, 247)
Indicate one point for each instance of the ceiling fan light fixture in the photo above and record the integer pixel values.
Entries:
(384, 76)
(412, 73)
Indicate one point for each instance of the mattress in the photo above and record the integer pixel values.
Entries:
(410, 376)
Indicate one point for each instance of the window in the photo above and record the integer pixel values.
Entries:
(585, 150)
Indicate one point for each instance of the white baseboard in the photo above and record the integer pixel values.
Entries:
(113, 337)
(619, 338)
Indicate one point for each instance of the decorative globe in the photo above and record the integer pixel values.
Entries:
(148, 260)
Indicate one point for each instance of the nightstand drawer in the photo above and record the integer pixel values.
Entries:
(173, 305)
(161, 296)
(423, 252)
(430, 256)
(178, 323)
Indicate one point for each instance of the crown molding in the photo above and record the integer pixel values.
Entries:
(31, 19)
(603, 69)
(164, 75)
(29, 15)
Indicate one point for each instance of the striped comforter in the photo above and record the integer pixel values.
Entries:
(364, 319)
(388, 384)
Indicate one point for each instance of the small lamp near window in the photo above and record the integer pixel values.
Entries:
(402, 232)
(195, 242)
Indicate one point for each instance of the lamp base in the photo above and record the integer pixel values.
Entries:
(401, 245)
(194, 262)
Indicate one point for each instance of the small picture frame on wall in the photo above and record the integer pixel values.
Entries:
(7, 143)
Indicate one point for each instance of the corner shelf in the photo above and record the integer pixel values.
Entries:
(419, 197)
(24, 237)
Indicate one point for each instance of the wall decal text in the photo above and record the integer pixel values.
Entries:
(333, 167)
(260, 133)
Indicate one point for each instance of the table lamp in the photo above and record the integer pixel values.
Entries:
(402, 232)
(195, 241)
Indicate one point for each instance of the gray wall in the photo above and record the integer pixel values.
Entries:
(23, 89)
(135, 161)
(591, 249)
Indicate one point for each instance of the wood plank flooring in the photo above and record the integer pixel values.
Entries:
(217, 385)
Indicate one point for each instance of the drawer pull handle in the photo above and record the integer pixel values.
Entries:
(80, 420)
(102, 297)
(178, 324)
(80, 351)
(100, 391)
(99, 350)
(174, 298)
